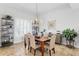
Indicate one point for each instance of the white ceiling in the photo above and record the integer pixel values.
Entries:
(42, 7)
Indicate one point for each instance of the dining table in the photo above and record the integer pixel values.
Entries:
(42, 43)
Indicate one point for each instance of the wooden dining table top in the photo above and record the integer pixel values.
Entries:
(42, 38)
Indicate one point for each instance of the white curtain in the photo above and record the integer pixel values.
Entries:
(21, 27)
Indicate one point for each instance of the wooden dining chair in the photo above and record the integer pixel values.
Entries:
(51, 46)
(33, 46)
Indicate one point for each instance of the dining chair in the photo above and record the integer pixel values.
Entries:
(36, 39)
(47, 42)
(33, 46)
(49, 36)
(29, 35)
(26, 43)
(51, 46)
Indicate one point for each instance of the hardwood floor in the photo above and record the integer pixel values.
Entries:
(18, 50)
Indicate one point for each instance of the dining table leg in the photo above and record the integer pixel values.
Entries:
(42, 48)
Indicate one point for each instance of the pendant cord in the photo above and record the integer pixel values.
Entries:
(36, 10)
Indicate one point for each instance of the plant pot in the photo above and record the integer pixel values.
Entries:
(70, 43)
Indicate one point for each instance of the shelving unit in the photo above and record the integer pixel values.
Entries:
(6, 31)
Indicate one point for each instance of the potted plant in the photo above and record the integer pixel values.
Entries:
(69, 34)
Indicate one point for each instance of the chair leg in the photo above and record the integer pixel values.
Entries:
(50, 52)
(53, 50)
(25, 45)
(34, 52)
(26, 51)
(30, 49)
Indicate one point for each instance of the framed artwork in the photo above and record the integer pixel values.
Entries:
(51, 24)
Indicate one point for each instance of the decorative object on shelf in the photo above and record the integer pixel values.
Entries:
(70, 34)
(7, 17)
(6, 30)
(42, 33)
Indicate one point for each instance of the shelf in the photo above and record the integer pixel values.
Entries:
(4, 44)
(6, 29)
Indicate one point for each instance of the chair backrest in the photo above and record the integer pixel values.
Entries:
(45, 36)
(26, 39)
(32, 41)
(52, 41)
(29, 34)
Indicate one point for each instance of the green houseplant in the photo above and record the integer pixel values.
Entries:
(69, 34)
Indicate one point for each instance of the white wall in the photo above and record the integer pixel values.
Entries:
(65, 18)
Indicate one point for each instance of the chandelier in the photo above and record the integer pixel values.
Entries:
(36, 20)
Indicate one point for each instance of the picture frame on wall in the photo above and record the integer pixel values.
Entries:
(51, 24)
